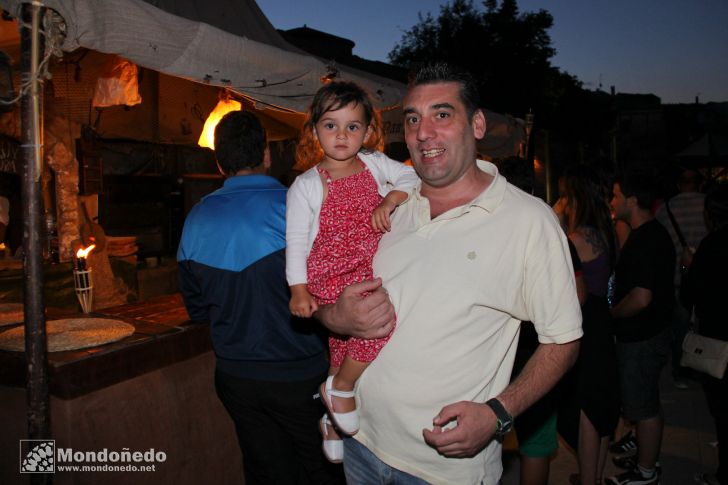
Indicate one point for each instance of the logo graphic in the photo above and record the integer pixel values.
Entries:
(37, 456)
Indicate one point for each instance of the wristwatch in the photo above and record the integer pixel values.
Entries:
(503, 419)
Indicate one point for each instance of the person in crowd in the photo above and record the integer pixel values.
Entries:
(559, 206)
(590, 407)
(467, 259)
(704, 289)
(337, 211)
(643, 303)
(536, 427)
(622, 230)
(232, 274)
(682, 216)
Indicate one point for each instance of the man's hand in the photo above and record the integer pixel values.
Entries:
(686, 258)
(475, 428)
(363, 310)
(634, 302)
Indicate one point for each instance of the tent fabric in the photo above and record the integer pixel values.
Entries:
(227, 43)
(709, 150)
(156, 39)
(242, 18)
(504, 136)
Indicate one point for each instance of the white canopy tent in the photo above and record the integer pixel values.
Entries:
(254, 61)
(230, 44)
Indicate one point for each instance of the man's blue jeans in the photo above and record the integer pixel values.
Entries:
(362, 467)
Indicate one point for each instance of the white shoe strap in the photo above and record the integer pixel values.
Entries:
(335, 392)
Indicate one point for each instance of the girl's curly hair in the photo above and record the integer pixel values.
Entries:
(332, 97)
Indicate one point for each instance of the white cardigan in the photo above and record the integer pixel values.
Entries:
(305, 198)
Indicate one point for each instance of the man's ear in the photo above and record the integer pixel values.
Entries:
(479, 124)
(266, 158)
(631, 201)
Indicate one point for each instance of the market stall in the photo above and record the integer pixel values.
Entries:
(151, 390)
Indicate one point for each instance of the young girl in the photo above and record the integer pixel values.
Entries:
(335, 216)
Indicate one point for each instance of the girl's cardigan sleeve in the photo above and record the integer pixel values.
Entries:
(390, 174)
(302, 209)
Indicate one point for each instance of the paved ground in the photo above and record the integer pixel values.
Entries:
(688, 446)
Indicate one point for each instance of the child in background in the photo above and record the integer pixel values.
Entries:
(336, 214)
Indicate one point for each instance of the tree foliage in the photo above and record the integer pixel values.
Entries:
(509, 52)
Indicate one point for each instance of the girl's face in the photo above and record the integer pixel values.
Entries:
(342, 132)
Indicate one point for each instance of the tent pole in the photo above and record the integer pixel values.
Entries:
(547, 168)
(35, 332)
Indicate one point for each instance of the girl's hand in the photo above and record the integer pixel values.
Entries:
(302, 303)
(380, 216)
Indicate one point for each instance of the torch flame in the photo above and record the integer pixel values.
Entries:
(224, 106)
(83, 252)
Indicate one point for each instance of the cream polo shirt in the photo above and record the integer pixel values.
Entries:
(461, 283)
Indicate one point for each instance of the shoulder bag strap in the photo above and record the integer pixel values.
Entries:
(675, 225)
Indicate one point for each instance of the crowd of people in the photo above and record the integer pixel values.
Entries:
(424, 279)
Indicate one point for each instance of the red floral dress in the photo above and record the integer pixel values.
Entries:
(342, 253)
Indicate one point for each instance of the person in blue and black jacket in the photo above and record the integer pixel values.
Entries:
(232, 274)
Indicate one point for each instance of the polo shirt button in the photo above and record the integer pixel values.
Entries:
(472, 255)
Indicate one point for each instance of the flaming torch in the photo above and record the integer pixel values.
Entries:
(82, 279)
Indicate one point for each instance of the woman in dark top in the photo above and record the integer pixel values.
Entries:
(705, 288)
(591, 408)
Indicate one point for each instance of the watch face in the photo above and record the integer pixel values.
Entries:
(502, 426)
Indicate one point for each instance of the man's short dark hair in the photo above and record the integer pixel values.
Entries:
(640, 184)
(441, 72)
(240, 142)
(690, 179)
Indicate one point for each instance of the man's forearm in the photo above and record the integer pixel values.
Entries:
(542, 371)
(329, 318)
(633, 303)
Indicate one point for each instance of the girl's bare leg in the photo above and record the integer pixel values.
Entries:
(534, 470)
(592, 452)
(345, 380)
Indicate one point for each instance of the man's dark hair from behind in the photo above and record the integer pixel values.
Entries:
(240, 142)
(640, 184)
(519, 172)
(689, 180)
(441, 72)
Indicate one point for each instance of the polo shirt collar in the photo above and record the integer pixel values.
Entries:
(492, 196)
(253, 181)
(246, 182)
(488, 200)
